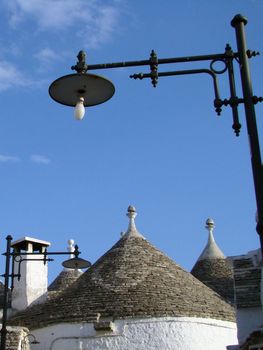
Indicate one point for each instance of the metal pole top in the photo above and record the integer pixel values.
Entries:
(238, 19)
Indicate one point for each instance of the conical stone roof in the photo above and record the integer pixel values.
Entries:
(65, 279)
(214, 269)
(132, 280)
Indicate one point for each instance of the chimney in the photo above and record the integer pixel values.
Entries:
(32, 286)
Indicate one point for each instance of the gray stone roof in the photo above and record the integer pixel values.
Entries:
(133, 279)
(247, 278)
(217, 274)
(214, 269)
(66, 277)
(64, 280)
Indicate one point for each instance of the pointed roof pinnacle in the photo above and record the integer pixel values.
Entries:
(211, 250)
(71, 248)
(132, 230)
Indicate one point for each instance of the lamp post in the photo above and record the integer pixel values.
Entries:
(80, 93)
(73, 263)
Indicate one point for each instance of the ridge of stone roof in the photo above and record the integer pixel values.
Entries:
(132, 279)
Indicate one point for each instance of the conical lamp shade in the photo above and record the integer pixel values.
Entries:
(76, 263)
(93, 88)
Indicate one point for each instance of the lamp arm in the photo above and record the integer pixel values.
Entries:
(18, 275)
(184, 59)
(217, 102)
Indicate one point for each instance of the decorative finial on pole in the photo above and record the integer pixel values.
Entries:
(154, 68)
(81, 66)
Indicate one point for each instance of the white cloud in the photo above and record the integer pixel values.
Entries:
(10, 76)
(40, 159)
(100, 28)
(93, 20)
(35, 158)
(5, 159)
(46, 55)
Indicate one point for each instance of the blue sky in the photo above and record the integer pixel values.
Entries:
(162, 150)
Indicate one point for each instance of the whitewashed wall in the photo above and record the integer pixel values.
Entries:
(146, 334)
(32, 286)
(248, 320)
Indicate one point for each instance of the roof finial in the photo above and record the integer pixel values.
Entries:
(211, 250)
(210, 225)
(132, 230)
(71, 248)
(131, 213)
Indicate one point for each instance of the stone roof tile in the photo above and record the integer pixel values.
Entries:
(216, 274)
(64, 280)
(247, 277)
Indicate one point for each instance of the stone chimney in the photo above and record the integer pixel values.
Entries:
(32, 286)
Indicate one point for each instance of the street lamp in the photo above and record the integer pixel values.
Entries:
(29, 339)
(71, 92)
(73, 263)
(74, 89)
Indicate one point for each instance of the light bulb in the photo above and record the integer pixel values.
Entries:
(79, 110)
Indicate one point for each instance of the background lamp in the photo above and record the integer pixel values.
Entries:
(76, 263)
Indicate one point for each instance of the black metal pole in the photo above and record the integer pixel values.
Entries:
(239, 23)
(5, 304)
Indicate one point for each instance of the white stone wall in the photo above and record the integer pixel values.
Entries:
(147, 334)
(248, 320)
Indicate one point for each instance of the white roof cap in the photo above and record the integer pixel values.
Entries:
(21, 243)
(211, 250)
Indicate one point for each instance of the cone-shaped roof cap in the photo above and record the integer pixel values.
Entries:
(213, 268)
(132, 279)
(211, 250)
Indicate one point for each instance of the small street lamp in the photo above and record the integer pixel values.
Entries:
(29, 339)
(78, 89)
(73, 263)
